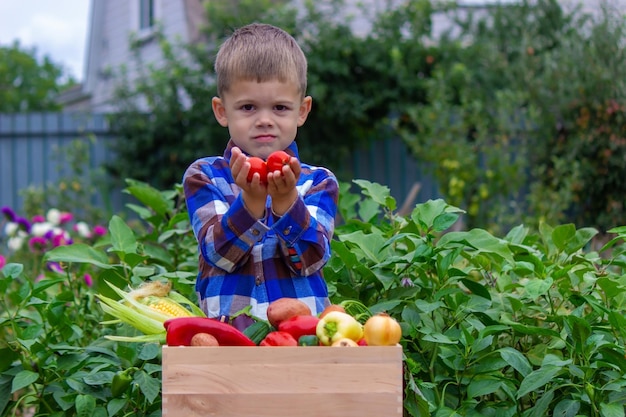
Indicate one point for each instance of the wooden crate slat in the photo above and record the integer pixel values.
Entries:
(282, 381)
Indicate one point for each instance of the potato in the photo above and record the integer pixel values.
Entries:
(204, 339)
(284, 309)
(332, 307)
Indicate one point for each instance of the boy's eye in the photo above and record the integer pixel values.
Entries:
(247, 107)
(280, 107)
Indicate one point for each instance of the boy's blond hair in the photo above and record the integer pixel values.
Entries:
(260, 52)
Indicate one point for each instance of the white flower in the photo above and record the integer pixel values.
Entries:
(15, 243)
(54, 216)
(11, 228)
(40, 229)
(82, 229)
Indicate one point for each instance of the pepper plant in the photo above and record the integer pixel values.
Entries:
(529, 324)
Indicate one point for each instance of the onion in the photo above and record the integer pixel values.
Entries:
(382, 330)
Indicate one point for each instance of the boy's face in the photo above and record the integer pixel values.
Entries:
(262, 117)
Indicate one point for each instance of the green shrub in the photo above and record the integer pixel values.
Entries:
(528, 324)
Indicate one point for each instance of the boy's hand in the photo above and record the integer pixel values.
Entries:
(282, 186)
(254, 193)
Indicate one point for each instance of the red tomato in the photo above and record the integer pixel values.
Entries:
(257, 165)
(277, 160)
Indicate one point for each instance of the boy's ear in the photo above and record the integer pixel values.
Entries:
(305, 109)
(219, 111)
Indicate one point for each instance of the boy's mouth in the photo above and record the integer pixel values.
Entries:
(265, 138)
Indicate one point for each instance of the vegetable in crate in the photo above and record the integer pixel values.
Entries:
(308, 341)
(278, 338)
(299, 326)
(336, 326)
(382, 330)
(286, 308)
(181, 330)
(146, 308)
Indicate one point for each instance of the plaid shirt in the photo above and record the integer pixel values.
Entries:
(244, 261)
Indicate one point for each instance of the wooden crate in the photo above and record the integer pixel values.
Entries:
(298, 381)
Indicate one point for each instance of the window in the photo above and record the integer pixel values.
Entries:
(146, 14)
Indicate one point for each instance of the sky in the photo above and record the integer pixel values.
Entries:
(56, 28)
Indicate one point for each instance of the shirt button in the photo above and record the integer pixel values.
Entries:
(257, 281)
(255, 232)
(287, 231)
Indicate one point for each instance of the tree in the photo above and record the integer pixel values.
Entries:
(28, 83)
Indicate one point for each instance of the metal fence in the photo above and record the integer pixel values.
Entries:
(28, 142)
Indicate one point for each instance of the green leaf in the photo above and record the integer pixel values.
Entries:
(23, 379)
(517, 360)
(115, 404)
(566, 408)
(480, 387)
(149, 351)
(581, 238)
(149, 386)
(5, 393)
(78, 253)
(377, 192)
(123, 239)
(540, 409)
(612, 410)
(149, 196)
(517, 234)
(370, 244)
(7, 356)
(98, 378)
(481, 240)
(85, 405)
(562, 234)
(13, 270)
(439, 338)
(444, 221)
(426, 213)
(537, 379)
(384, 306)
(476, 288)
(536, 287)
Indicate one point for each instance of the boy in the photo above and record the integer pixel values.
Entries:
(260, 241)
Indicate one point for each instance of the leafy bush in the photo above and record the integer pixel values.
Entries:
(522, 122)
(529, 324)
(54, 356)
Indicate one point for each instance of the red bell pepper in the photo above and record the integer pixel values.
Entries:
(299, 326)
(278, 338)
(180, 330)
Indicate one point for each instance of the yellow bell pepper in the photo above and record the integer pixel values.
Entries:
(336, 325)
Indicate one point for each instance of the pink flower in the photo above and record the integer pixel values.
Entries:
(100, 230)
(66, 217)
(39, 218)
(88, 280)
(3, 261)
(61, 239)
(37, 244)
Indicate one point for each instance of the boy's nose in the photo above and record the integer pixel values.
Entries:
(264, 119)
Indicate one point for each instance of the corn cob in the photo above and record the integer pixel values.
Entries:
(166, 306)
(147, 308)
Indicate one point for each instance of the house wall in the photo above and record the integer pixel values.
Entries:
(113, 24)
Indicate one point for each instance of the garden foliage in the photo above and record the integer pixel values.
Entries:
(518, 107)
(531, 323)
